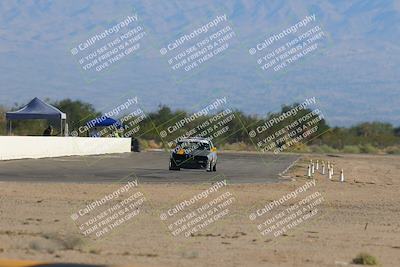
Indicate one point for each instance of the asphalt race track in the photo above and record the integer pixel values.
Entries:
(149, 167)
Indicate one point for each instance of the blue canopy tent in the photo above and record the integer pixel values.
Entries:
(37, 109)
(104, 121)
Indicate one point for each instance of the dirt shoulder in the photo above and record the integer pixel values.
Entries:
(359, 215)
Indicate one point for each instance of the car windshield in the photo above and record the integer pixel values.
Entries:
(193, 146)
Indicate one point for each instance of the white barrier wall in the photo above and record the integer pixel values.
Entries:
(19, 147)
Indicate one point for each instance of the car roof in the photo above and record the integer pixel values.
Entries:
(195, 139)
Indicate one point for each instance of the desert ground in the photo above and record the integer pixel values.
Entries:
(361, 214)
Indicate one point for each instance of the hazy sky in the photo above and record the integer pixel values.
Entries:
(349, 62)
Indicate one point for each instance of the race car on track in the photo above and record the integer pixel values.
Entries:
(194, 153)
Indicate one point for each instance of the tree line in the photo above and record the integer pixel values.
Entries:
(234, 131)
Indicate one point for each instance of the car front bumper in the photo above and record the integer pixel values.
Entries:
(190, 161)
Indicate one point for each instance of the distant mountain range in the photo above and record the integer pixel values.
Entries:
(354, 74)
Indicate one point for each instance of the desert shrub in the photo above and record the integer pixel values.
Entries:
(152, 144)
(393, 150)
(368, 148)
(365, 259)
(71, 242)
(239, 146)
(148, 144)
(143, 144)
(323, 149)
(351, 149)
(299, 147)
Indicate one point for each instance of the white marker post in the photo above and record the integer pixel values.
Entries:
(323, 168)
(312, 168)
(332, 169)
(309, 171)
(341, 176)
(317, 167)
(330, 174)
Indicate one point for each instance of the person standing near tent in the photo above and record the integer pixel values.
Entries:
(116, 133)
(94, 133)
(48, 131)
